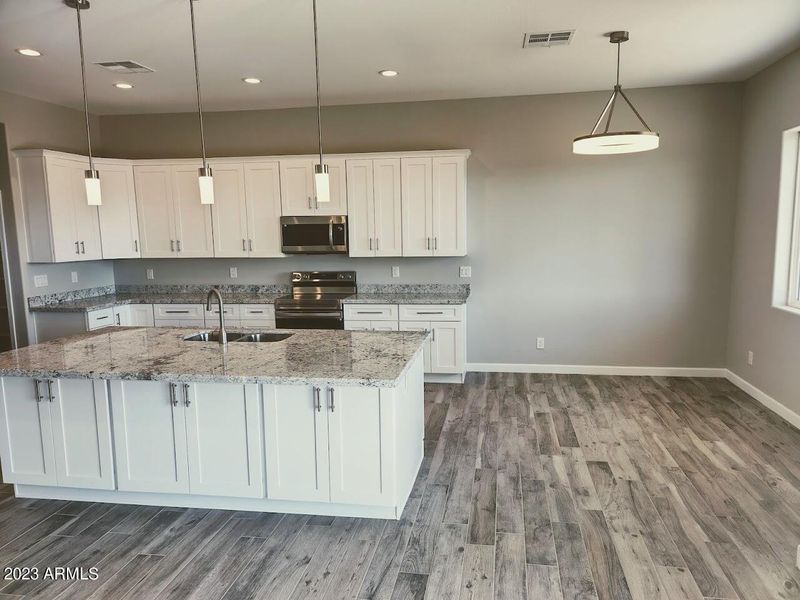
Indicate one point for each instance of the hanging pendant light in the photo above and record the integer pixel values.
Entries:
(205, 179)
(91, 175)
(322, 182)
(616, 142)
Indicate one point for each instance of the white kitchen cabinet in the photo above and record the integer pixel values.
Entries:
(229, 211)
(119, 222)
(100, 318)
(172, 222)
(122, 315)
(298, 196)
(420, 326)
(179, 315)
(361, 450)
(26, 435)
(371, 326)
(141, 315)
(263, 195)
(149, 425)
(434, 206)
(223, 431)
(447, 347)
(296, 430)
(60, 225)
(371, 312)
(374, 207)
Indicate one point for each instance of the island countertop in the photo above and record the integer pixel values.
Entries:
(309, 356)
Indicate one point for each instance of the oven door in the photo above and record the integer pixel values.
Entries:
(308, 319)
(314, 235)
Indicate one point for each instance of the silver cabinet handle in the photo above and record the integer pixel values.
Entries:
(369, 312)
(309, 203)
(316, 203)
(435, 242)
(186, 401)
(377, 244)
(433, 334)
(103, 318)
(317, 403)
(50, 395)
(427, 243)
(250, 245)
(330, 396)
(176, 312)
(172, 245)
(370, 243)
(179, 245)
(38, 393)
(173, 400)
(77, 248)
(118, 323)
(83, 248)
(244, 245)
(135, 245)
(432, 312)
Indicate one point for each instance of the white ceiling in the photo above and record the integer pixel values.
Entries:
(442, 48)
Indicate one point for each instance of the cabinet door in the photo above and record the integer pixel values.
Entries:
(119, 223)
(149, 437)
(420, 326)
(360, 208)
(82, 433)
(297, 187)
(141, 315)
(357, 325)
(297, 444)
(122, 315)
(193, 232)
(64, 178)
(449, 206)
(26, 436)
(156, 214)
(361, 461)
(223, 431)
(447, 348)
(263, 192)
(338, 187)
(417, 206)
(229, 211)
(388, 216)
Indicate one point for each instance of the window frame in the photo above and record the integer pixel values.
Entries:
(793, 295)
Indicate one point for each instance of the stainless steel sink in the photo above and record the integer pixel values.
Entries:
(262, 337)
(211, 336)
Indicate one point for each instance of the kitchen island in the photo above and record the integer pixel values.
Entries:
(321, 422)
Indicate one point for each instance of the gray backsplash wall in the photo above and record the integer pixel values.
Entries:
(615, 260)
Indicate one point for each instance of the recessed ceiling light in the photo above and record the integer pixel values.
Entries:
(251, 80)
(388, 73)
(28, 52)
(123, 86)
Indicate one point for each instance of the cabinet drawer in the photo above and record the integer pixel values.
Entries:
(257, 311)
(232, 311)
(431, 312)
(98, 319)
(357, 325)
(371, 312)
(180, 323)
(178, 311)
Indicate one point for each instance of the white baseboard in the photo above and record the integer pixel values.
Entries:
(764, 398)
(597, 370)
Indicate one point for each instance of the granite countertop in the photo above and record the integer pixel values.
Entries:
(110, 300)
(309, 356)
(404, 298)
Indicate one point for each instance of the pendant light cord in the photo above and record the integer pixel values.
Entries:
(197, 85)
(316, 66)
(83, 80)
(619, 50)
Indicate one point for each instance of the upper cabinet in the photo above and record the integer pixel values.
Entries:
(172, 222)
(119, 222)
(298, 196)
(374, 207)
(434, 206)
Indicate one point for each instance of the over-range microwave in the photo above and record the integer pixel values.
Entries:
(314, 235)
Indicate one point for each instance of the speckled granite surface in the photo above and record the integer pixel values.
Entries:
(310, 356)
(108, 300)
(431, 298)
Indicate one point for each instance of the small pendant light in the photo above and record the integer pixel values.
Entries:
(322, 183)
(205, 179)
(91, 175)
(620, 142)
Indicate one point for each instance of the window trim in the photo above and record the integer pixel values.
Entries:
(786, 279)
(793, 291)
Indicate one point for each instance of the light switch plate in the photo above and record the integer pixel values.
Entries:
(150, 274)
(74, 277)
(40, 280)
(540, 343)
(465, 271)
(396, 271)
(234, 272)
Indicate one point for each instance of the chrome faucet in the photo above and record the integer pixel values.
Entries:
(223, 337)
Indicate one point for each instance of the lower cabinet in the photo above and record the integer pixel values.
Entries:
(56, 432)
(188, 438)
(329, 444)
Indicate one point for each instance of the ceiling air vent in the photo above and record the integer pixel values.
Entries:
(125, 66)
(546, 39)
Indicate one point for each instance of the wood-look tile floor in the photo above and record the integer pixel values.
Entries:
(533, 487)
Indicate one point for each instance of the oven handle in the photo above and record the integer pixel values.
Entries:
(330, 234)
(300, 315)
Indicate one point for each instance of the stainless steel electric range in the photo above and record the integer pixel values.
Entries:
(316, 300)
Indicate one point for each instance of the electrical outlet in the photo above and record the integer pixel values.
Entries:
(150, 274)
(40, 280)
(234, 272)
(540, 343)
(395, 271)
(465, 271)
(750, 357)
(74, 277)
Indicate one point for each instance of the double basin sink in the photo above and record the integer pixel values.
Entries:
(213, 336)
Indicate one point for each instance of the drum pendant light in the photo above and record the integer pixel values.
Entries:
(616, 142)
(91, 175)
(322, 183)
(205, 179)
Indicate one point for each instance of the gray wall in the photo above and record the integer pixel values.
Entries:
(771, 105)
(620, 260)
(34, 124)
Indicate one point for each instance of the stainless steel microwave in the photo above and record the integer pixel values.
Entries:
(314, 235)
